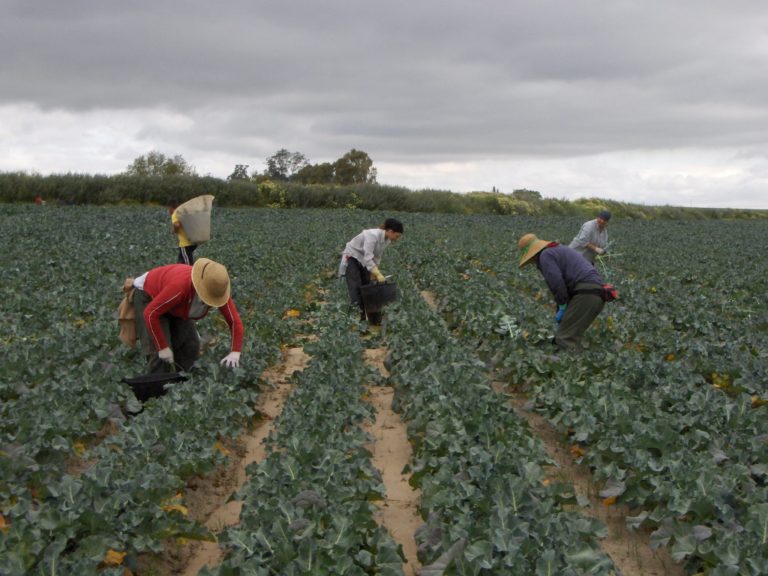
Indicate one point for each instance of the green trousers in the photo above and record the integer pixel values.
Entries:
(581, 311)
(180, 334)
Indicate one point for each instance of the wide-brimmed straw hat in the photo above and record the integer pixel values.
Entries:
(211, 282)
(530, 246)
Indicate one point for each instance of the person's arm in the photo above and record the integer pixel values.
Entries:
(229, 311)
(582, 238)
(553, 277)
(369, 251)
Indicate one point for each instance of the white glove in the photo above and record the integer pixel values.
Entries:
(166, 355)
(231, 360)
(599, 251)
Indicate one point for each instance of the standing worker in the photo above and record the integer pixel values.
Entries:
(186, 247)
(574, 283)
(592, 239)
(360, 261)
(168, 299)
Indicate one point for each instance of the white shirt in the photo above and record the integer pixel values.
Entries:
(367, 248)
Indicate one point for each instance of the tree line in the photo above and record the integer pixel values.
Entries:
(355, 167)
(291, 181)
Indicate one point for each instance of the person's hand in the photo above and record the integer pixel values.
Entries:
(377, 275)
(599, 251)
(560, 313)
(231, 360)
(166, 355)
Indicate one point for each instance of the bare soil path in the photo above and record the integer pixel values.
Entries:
(391, 453)
(630, 550)
(209, 497)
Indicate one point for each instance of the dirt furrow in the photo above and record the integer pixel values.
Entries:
(250, 449)
(630, 550)
(391, 453)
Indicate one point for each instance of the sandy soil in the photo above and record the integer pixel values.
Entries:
(391, 452)
(430, 299)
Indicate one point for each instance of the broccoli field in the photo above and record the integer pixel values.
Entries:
(666, 409)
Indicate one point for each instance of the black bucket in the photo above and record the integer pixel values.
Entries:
(376, 296)
(149, 386)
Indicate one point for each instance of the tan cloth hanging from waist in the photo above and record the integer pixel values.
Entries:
(126, 316)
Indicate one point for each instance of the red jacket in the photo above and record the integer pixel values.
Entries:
(172, 292)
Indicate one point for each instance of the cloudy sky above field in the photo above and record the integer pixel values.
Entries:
(648, 101)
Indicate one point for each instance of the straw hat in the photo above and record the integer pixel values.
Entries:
(530, 246)
(211, 282)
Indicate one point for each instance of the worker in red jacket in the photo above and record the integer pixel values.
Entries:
(168, 300)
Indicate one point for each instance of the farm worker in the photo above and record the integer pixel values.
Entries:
(592, 239)
(360, 261)
(186, 248)
(168, 300)
(573, 282)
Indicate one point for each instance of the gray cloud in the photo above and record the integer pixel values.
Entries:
(412, 83)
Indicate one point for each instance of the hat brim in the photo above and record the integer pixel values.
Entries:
(536, 247)
(205, 295)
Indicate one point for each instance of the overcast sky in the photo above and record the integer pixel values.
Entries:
(652, 101)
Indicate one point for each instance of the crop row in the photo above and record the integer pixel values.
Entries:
(490, 506)
(308, 507)
(84, 479)
(668, 400)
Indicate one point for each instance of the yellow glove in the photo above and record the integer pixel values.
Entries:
(377, 275)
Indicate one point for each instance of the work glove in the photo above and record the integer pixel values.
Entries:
(377, 275)
(166, 355)
(231, 360)
(560, 313)
(599, 251)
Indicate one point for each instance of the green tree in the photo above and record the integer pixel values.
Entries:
(355, 167)
(158, 164)
(283, 165)
(239, 173)
(315, 174)
(526, 195)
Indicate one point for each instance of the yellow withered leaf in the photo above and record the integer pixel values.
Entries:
(577, 450)
(113, 558)
(177, 508)
(610, 501)
(221, 448)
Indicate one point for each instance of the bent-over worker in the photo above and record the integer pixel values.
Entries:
(592, 238)
(169, 299)
(361, 258)
(574, 283)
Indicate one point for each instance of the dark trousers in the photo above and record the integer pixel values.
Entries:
(185, 255)
(180, 334)
(358, 275)
(581, 312)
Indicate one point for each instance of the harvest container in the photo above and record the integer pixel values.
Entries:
(149, 386)
(195, 216)
(376, 296)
